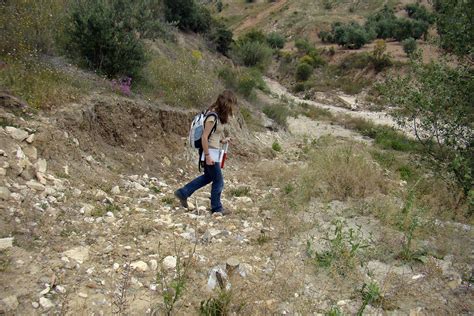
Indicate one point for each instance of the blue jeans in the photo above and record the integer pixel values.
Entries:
(211, 174)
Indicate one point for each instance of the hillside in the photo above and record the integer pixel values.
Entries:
(336, 208)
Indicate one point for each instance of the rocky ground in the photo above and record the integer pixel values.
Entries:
(89, 225)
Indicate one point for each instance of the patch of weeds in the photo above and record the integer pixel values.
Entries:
(168, 200)
(63, 175)
(69, 231)
(277, 112)
(385, 158)
(334, 311)
(146, 228)
(240, 191)
(5, 261)
(263, 239)
(216, 306)
(288, 188)
(342, 251)
(276, 146)
(370, 294)
(406, 172)
(99, 212)
(313, 112)
(155, 189)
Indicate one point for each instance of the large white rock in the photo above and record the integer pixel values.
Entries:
(80, 254)
(41, 165)
(30, 139)
(140, 266)
(170, 262)
(16, 133)
(32, 184)
(31, 152)
(6, 243)
(4, 193)
(115, 190)
(46, 303)
(10, 303)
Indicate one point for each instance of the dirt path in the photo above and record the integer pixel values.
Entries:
(254, 20)
(376, 117)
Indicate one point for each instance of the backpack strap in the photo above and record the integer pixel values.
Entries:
(209, 113)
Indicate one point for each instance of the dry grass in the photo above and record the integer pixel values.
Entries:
(40, 85)
(342, 172)
(182, 81)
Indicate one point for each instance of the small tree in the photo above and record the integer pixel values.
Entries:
(101, 42)
(303, 71)
(409, 46)
(221, 36)
(436, 100)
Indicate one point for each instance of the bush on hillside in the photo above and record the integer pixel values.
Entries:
(383, 22)
(419, 12)
(303, 71)
(352, 35)
(276, 40)
(221, 37)
(253, 36)
(189, 15)
(455, 27)
(406, 28)
(100, 42)
(409, 46)
(252, 54)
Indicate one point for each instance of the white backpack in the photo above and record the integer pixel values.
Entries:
(197, 128)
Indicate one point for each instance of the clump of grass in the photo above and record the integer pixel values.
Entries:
(240, 191)
(276, 146)
(168, 200)
(263, 239)
(216, 306)
(370, 294)
(337, 173)
(277, 112)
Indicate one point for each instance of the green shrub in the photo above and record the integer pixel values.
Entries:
(252, 54)
(221, 37)
(419, 12)
(350, 35)
(276, 146)
(229, 76)
(383, 22)
(276, 40)
(253, 36)
(455, 27)
(188, 15)
(303, 45)
(303, 71)
(406, 28)
(246, 85)
(409, 46)
(101, 44)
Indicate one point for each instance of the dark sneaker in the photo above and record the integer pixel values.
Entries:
(181, 198)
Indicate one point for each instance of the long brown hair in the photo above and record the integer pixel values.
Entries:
(224, 105)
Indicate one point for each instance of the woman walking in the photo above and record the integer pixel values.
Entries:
(218, 114)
